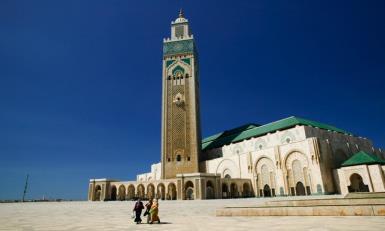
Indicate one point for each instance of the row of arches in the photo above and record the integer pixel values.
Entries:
(228, 190)
(132, 192)
(232, 190)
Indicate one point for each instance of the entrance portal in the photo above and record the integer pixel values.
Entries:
(98, 192)
(225, 191)
(210, 194)
(266, 191)
(357, 184)
(299, 189)
(171, 195)
(189, 187)
(113, 193)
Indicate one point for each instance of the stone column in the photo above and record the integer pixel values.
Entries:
(103, 193)
(197, 189)
(180, 189)
(203, 189)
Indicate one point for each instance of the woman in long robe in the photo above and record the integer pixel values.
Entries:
(138, 211)
(147, 212)
(154, 211)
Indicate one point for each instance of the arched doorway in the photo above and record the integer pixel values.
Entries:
(150, 191)
(98, 192)
(130, 192)
(297, 170)
(357, 184)
(161, 191)
(246, 190)
(234, 190)
(266, 175)
(266, 191)
(189, 189)
(210, 194)
(299, 189)
(140, 191)
(122, 193)
(171, 191)
(225, 191)
(113, 193)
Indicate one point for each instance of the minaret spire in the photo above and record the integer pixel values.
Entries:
(181, 15)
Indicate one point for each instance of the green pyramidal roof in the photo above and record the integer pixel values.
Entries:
(253, 130)
(230, 132)
(362, 158)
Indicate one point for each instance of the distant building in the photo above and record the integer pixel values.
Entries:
(292, 156)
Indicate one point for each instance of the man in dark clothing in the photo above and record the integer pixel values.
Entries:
(138, 211)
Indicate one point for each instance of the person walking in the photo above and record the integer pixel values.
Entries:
(147, 212)
(154, 212)
(138, 211)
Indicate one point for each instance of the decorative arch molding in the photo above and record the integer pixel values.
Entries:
(292, 155)
(178, 64)
(264, 159)
(227, 173)
(227, 164)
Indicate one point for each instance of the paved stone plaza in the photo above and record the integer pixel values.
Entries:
(175, 215)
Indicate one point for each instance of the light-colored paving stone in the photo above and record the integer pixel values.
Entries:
(175, 215)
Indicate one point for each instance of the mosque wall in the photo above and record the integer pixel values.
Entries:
(274, 163)
(282, 159)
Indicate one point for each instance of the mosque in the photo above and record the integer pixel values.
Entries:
(289, 157)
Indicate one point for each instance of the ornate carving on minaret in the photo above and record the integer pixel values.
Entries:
(181, 138)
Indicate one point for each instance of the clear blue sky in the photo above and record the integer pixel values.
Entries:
(80, 81)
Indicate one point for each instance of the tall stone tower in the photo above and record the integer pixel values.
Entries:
(181, 137)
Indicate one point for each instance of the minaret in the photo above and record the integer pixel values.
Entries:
(181, 137)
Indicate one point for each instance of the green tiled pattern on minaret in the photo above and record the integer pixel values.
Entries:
(169, 62)
(186, 61)
(178, 47)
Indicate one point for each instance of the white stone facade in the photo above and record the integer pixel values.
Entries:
(282, 159)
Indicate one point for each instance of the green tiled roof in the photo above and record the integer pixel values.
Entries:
(230, 132)
(251, 130)
(362, 158)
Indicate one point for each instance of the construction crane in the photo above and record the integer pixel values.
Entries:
(25, 187)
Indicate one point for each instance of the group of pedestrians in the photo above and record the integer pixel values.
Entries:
(152, 209)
